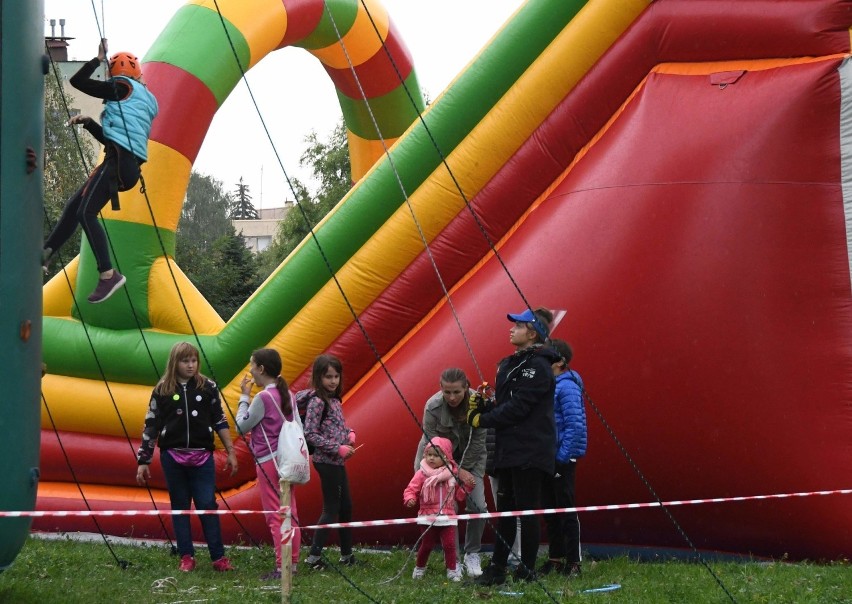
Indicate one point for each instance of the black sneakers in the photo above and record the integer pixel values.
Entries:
(107, 287)
(318, 564)
(492, 575)
(522, 573)
(572, 570)
(552, 566)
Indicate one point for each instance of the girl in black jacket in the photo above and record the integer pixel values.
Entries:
(525, 438)
(184, 412)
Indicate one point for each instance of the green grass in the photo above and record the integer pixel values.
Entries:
(67, 571)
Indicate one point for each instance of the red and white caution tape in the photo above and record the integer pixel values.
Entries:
(588, 508)
(420, 519)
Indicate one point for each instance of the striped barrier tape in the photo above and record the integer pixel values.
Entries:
(421, 519)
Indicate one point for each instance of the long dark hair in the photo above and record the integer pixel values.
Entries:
(321, 365)
(270, 360)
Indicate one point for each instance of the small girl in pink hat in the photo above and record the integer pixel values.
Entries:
(437, 490)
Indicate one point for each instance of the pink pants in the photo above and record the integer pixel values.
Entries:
(267, 480)
(447, 535)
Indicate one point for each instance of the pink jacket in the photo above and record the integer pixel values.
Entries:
(436, 501)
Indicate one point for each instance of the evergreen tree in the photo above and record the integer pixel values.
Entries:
(231, 277)
(209, 251)
(241, 206)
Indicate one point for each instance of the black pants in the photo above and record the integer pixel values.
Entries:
(336, 507)
(118, 172)
(518, 489)
(563, 530)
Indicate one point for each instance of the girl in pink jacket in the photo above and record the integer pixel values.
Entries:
(435, 487)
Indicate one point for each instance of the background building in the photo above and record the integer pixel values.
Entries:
(259, 233)
(57, 47)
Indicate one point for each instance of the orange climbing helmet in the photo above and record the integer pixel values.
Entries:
(125, 64)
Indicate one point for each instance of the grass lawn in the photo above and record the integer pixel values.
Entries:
(69, 571)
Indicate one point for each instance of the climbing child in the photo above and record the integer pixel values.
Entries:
(435, 487)
(129, 109)
(334, 443)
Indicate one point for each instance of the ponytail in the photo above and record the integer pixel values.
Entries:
(284, 392)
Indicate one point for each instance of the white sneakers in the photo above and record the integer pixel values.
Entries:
(453, 575)
(472, 566)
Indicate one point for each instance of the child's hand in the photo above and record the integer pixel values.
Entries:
(246, 384)
(143, 473)
(232, 462)
(79, 119)
(345, 451)
(410, 503)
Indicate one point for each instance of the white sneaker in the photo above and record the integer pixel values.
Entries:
(454, 574)
(472, 565)
(418, 573)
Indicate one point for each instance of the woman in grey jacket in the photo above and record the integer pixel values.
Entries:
(445, 415)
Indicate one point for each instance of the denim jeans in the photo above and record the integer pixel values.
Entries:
(193, 484)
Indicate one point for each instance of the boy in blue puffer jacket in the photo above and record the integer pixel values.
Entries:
(563, 530)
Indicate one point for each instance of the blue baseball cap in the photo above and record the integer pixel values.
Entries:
(529, 316)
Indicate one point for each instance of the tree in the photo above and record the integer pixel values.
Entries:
(241, 206)
(230, 274)
(329, 162)
(208, 249)
(68, 158)
(204, 218)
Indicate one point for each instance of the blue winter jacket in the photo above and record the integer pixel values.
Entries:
(570, 416)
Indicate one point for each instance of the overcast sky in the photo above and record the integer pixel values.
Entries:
(292, 90)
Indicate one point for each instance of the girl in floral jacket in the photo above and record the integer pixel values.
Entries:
(333, 442)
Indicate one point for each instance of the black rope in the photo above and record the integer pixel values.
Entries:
(144, 191)
(650, 488)
(71, 289)
(123, 564)
(518, 289)
(315, 238)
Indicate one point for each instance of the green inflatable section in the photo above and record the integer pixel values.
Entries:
(353, 222)
(22, 69)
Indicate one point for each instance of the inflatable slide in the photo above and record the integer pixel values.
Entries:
(670, 174)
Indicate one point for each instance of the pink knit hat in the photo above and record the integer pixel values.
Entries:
(445, 445)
